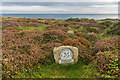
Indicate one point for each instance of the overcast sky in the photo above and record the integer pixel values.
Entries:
(60, 7)
(60, 0)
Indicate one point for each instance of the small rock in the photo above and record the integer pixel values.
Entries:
(70, 32)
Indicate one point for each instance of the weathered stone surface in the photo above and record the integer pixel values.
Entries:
(65, 54)
(70, 32)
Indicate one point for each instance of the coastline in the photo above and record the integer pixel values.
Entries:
(63, 16)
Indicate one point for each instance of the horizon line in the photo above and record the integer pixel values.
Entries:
(60, 14)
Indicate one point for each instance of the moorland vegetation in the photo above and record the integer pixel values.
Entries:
(27, 47)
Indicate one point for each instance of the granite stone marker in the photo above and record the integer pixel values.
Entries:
(66, 54)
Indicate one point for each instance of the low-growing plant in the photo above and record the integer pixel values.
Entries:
(106, 23)
(84, 52)
(106, 45)
(84, 41)
(54, 36)
(22, 50)
(107, 63)
(113, 29)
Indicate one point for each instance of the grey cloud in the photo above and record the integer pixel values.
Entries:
(60, 0)
(70, 7)
(57, 3)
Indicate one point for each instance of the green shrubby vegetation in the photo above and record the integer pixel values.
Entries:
(78, 20)
(107, 63)
(106, 23)
(113, 29)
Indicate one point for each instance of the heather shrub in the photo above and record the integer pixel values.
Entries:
(65, 29)
(54, 36)
(105, 45)
(107, 63)
(113, 29)
(24, 22)
(84, 41)
(73, 19)
(78, 20)
(12, 64)
(63, 24)
(83, 50)
(95, 25)
(9, 23)
(84, 19)
(91, 37)
(106, 23)
(48, 48)
(19, 57)
(12, 28)
(71, 35)
(93, 29)
(71, 42)
(52, 28)
(78, 33)
(23, 50)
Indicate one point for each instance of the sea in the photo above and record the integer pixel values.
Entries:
(64, 16)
